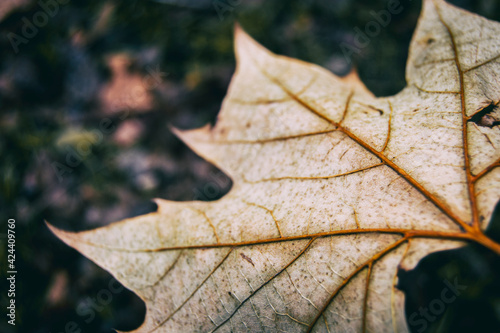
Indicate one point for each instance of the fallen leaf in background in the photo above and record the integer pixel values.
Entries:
(7, 6)
(126, 91)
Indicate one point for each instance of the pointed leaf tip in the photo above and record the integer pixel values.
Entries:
(65, 236)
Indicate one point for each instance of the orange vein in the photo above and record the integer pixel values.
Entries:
(211, 224)
(281, 138)
(410, 233)
(388, 129)
(436, 91)
(316, 177)
(482, 64)
(468, 173)
(168, 270)
(352, 275)
(346, 109)
(380, 155)
(485, 171)
(194, 291)
(365, 301)
(410, 180)
(265, 283)
(270, 212)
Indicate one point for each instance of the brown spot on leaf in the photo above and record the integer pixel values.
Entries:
(247, 258)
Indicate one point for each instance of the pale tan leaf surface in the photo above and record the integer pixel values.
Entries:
(334, 189)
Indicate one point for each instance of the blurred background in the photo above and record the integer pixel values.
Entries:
(88, 90)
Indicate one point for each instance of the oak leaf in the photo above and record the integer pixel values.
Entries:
(334, 191)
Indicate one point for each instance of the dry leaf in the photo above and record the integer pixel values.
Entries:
(126, 91)
(334, 190)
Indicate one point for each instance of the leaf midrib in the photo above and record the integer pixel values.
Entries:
(465, 118)
(438, 203)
